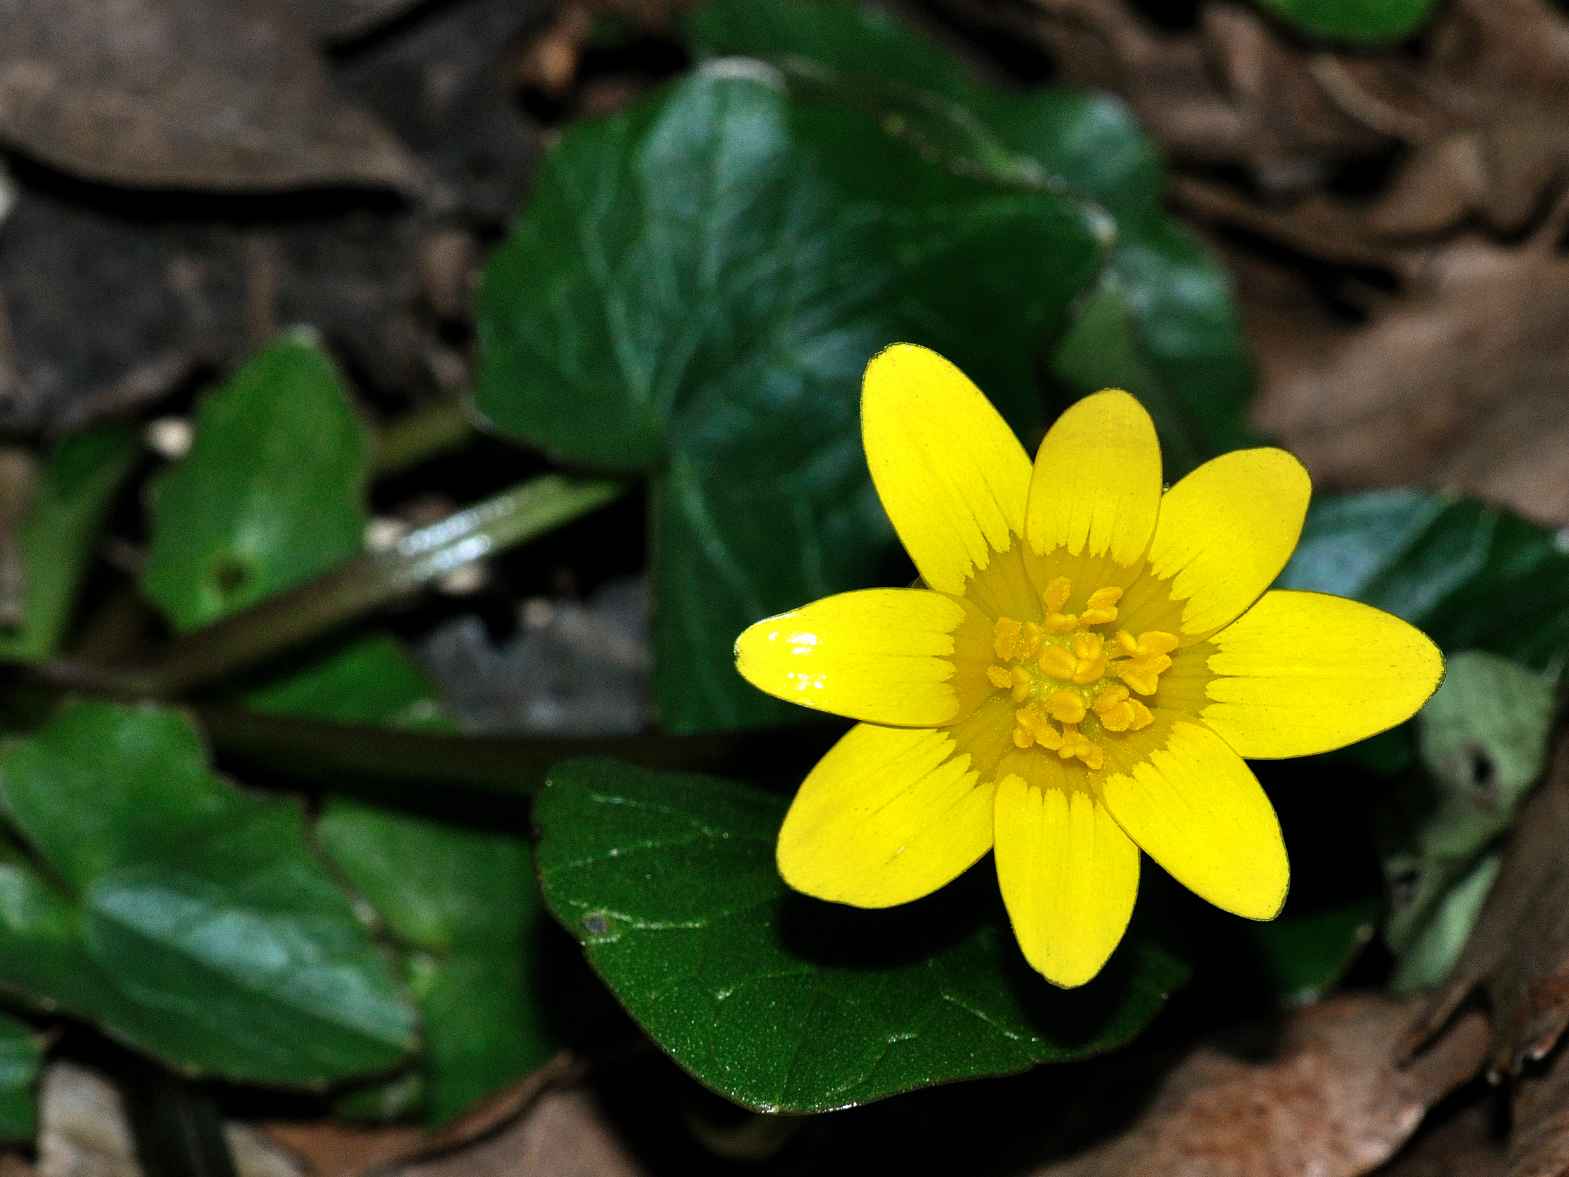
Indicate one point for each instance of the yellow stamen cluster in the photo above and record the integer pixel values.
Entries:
(1062, 674)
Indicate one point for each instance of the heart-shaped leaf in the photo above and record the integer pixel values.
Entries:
(786, 1004)
(182, 915)
(694, 291)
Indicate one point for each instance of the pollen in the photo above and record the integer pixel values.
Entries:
(1072, 684)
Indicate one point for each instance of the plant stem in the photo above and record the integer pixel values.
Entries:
(421, 434)
(365, 583)
(403, 765)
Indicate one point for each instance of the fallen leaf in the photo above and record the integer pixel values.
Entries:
(1519, 954)
(1331, 1101)
(1457, 383)
(566, 1134)
(341, 20)
(84, 1131)
(579, 667)
(205, 94)
(1463, 1143)
(332, 1148)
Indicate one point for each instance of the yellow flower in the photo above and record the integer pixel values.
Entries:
(1081, 676)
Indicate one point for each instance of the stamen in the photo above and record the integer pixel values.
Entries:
(1066, 706)
(1059, 672)
(1057, 662)
(1005, 638)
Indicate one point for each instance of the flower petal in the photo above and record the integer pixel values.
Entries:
(1196, 808)
(1226, 531)
(1069, 876)
(1301, 673)
(1095, 487)
(889, 815)
(881, 655)
(950, 473)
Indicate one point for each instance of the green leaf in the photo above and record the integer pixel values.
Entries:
(366, 680)
(1472, 576)
(1303, 955)
(1361, 22)
(271, 494)
(1161, 319)
(73, 494)
(464, 905)
(21, 1053)
(785, 1004)
(1483, 744)
(182, 915)
(694, 291)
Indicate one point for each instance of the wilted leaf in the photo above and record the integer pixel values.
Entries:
(69, 502)
(786, 1004)
(1457, 383)
(85, 1131)
(21, 1052)
(205, 94)
(464, 906)
(271, 493)
(577, 666)
(1519, 953)
(565, 1134)
(1330, 1101)
(668, 322)
(184, 916)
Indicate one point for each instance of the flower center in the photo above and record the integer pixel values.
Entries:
(1073, 680)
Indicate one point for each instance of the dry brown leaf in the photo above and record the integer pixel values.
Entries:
(565, 1134)
(334, 1149)
(1331, 1102)
(1463, 1143)
(202, 94)
(1519, 954)
(339, 20)
(1539, 1138)
(1457, 383)
(83, 1131)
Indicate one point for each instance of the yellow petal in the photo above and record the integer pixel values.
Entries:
(950, 473)
(1069, 876)
(1301, 673)
(1196, 808)
(889, 815)
(1226, 531)
(1095, 488)
(881, 655)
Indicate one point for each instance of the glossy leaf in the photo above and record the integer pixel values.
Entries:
(1471, 575)
(365, 680)
(271, 493)
(694, 291)
(21, 1054)
(786, 1004)
(181, 915)
(463, 905)
(1161, 319)
(74, 492)
(1363, 22)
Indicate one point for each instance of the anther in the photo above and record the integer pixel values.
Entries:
(1000, 677)
(1005, 638)
(1057, 594)
(1066, 706)
(1057, 662)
